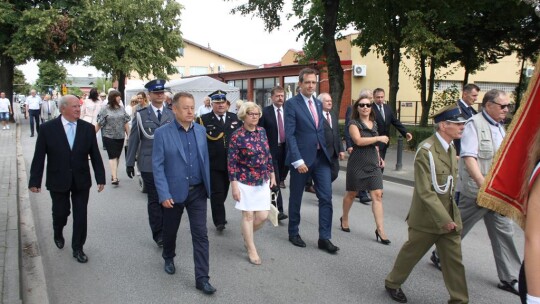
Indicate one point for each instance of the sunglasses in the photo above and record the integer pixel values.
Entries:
(364, 105)
(500, 105)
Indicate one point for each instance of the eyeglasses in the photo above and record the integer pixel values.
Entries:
(364, 105)
(503, 106)
(254, 114)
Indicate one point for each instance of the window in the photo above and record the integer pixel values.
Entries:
(180, 70)
(507, 87)
(181, 52)
(242, 85)
(442, 85)
(262, 88)
(198, 70)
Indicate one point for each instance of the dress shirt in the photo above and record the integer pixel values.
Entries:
(444, 144)
(277, 121)
(189, 144)
(33, 102)
(65, 123)
(155, 109)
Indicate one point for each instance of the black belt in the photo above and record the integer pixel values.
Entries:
(194, 186)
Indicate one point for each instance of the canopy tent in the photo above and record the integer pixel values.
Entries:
(200, 87)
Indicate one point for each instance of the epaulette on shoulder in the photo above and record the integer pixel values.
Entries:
(141, 109)
(426, 146)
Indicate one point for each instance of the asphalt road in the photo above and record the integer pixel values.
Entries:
(125, 265)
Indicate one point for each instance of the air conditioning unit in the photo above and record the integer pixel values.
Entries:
(529, 71)
(359, 70)
(221, 68)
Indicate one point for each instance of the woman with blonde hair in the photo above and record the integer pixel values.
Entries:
(251, 174)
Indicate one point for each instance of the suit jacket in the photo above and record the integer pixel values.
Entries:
(139, 146)
(429, 210)
(334, 145)
(269, 122)
(218, 137)
(467, 113)
(66, 169)
(302, 136)
(49, 107)
(169, 162)
(383, 126)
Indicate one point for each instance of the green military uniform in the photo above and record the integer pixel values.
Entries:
(432, 208)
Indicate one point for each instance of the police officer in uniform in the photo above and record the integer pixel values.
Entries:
(434, 217)
(141, 140)
(219, 124)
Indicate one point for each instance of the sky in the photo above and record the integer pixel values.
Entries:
(209, 22)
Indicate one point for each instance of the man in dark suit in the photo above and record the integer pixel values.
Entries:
(141, 139)
(307, 154)
(384, 117)
(468, 98)
(67, 141)
(334, 145)
(219, 124)
(272, 122)
(182, 176)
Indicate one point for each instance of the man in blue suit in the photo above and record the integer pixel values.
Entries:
(182, 177)
(307, 155)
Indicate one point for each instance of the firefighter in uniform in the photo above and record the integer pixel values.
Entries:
(219, 124)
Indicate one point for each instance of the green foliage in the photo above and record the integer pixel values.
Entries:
(75, 91)
(445, 98)
(19, 83)
(103, 84)
(50, 75)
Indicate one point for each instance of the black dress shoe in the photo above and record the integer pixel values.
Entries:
(220, 227)
(80, 256)
(59, 240)
(169, 266)
(310, 189)
(328, 246)
(296, 240)
(282, 216)
(396, 294)
(205, 287)
(435, 260)
(510, 287)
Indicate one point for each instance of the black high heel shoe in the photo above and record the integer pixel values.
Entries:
(378, 237)
(341, 224)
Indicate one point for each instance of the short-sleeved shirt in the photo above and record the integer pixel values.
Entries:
(4, 105)
(112, 122)
(469, 141)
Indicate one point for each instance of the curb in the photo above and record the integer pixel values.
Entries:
(33, 284)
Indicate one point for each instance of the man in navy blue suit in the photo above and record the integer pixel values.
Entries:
(307, 155)
(182, 176)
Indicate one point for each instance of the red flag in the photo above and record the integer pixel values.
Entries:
(501, 190)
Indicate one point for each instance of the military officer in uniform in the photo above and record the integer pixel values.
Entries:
(219, 124)
(141, 139)
(434, 217)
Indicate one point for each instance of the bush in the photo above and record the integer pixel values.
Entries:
(419, 134)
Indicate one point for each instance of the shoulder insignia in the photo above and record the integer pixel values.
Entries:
(426, 146)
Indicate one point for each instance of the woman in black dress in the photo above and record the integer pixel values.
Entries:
(364, 165)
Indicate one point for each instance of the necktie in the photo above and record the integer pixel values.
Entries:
(382, 112)
(281, 129)
(48, 108)
(314, 113)
(159, 115)
(329, 119)
(221, 120)
(71, 134)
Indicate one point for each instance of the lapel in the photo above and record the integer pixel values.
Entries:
(306, 110)
(61, 130)
(151, 115)
(272, 116)
(442, 154)
(166, 117)
(177, 139)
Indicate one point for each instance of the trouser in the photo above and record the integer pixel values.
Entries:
(34, 118)
(501, 234)
(219, 185)
(61, 209)
(449, 248)
(196, 207)
(155, 210)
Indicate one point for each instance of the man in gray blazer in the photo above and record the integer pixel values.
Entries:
(141, 139)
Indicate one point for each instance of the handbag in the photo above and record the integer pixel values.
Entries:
(274, 212)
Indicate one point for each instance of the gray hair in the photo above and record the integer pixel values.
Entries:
(366, 93)
(63, 102)
(492, 96)
(323, 95)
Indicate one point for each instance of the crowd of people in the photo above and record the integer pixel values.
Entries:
(186, 155)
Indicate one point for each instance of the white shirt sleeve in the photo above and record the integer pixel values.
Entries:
(469, 141)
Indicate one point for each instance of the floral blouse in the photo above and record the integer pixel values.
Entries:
(249, 159)
(112, 122)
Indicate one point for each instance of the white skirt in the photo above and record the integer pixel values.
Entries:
(254, 198)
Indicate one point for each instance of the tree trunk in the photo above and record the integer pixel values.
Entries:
(423, 91)
(7, 69)
(519, 88)
(466, 76)
(335, 71)
(121, 84)
(394, 60)
(431, 89)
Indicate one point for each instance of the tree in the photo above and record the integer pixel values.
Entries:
(134, 36)
(20, 86)
(38, 29)
(50, 75)
(320, 22)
